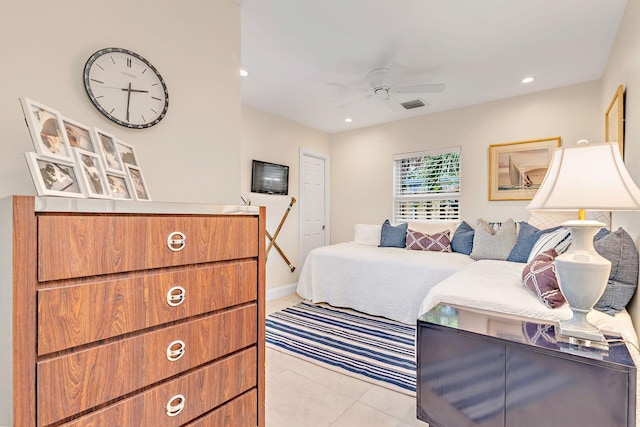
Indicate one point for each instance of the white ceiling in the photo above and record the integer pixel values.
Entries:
(481, 50)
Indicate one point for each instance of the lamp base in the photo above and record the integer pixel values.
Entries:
(580, 327)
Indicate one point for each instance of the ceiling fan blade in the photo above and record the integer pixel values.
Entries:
(343, 86)
(393, 103)
(430, 88)
(355, 101)
(395, 74)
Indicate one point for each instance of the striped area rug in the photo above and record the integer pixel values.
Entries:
(369, 348)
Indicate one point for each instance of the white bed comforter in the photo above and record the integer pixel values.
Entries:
(497, 286)
(389, 282)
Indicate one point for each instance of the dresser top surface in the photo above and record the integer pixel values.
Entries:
(61, 204)
(529, 332)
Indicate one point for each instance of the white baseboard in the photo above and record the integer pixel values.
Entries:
(281, 291)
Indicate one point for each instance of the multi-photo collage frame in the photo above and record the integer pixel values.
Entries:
(75, 160)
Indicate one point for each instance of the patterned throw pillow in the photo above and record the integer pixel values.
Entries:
(528, 235)
(489, 243)
(438, 242)
(559, 240)
(539, 275)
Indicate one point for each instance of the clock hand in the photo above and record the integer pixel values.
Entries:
(128, 99)
(134, 90)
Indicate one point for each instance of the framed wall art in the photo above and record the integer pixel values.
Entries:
(46, 130)
(93, 173)
(140, 190)
(516, 169)
(127, 153)
(614, 120)
(54, 177)
(120, 186)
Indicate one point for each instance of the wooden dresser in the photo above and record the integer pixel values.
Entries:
(116, 313)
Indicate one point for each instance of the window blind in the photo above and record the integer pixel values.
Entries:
(426, 185)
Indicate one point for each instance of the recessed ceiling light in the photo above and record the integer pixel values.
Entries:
(243, 73)
(348, 120)
(528, 80)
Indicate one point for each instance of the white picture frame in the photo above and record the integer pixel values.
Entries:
(46, 130)
(93, 173)
(140, 190)
(127, 154)
(79, 136)
(55, 177)
(120, 186)
(109, 150)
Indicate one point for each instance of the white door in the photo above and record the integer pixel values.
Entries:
(314, 202)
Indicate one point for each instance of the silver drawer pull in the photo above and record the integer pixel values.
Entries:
(176, 296)
(175, 405)
(176, 241)
(175, 350)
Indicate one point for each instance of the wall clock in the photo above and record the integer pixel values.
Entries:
(126, 88)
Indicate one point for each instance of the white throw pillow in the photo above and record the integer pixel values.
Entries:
(560, 240)
(367, 234)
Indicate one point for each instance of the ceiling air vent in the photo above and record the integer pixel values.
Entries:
(409, 105)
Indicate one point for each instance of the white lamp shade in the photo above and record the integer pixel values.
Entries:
(587, 176)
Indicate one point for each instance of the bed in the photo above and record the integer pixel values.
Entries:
(355, 276)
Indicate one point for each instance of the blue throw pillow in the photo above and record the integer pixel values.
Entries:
(619, 248)
(462, 240)
(527, 237)
(393, 237)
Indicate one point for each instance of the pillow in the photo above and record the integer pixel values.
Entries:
(619, 248)
(528, 235)
(560, 240)
(489, 243)
(539, 276)
(393, 237)
(438, 242)
(367, 234)
(433, 227)
(462, 240)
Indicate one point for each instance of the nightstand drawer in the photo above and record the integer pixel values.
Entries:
(240, 412)
(175, 403)
(138, 362)
(93, 245)
(80, 314)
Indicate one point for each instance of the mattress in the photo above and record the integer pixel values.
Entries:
(388, 282)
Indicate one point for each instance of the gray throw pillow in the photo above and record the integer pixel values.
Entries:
(393, 237)
(490, 243)
(619, 248)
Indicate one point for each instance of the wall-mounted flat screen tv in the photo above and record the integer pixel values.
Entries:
(269, 178)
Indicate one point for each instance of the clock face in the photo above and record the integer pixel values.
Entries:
(126, 88)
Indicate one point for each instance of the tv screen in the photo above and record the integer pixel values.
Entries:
(269, 178)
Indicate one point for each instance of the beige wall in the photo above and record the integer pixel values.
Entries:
(362, 160)
(274, 139)
(623, 68)
(194, 153)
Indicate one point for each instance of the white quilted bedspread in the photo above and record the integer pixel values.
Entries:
(389, 282)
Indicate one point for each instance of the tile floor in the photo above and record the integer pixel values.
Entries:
(301, 394)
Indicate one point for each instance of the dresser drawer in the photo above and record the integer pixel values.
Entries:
(80, 245)
(75, 315)
(202, 391)
(124, 366)
(240, 412)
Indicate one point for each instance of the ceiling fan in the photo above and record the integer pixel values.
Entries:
(382, 86)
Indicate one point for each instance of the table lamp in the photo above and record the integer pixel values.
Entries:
(585, 177)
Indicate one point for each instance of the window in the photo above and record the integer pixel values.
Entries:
(426, 185)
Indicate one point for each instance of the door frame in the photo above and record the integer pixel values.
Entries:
(327, 197)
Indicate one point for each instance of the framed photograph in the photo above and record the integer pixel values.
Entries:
(54, 177)
(614, 120)
(140, 191)
(107, 146)
(46, 130)
(120, 186)
(516, 169)
(92, 172)
(127, 154)
(78, 135)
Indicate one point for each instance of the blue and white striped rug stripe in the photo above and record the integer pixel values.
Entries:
(372, 349)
